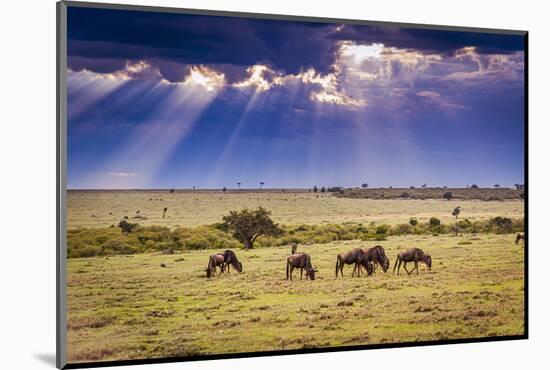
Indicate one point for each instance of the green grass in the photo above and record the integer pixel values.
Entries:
(129, 307)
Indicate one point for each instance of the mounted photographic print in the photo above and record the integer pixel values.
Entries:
(235, 184)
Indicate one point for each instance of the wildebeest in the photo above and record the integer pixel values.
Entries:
(214, 261)
(377, 256)
(367, 264)
(520, 237)
(354, 256)
(412, 255)
(230, 259)
(294, 248)
(301, 261)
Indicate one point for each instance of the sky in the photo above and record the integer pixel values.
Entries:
(159, 100)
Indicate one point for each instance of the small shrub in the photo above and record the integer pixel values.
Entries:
(89, 251)
(413, 222)
(402, 229)
(126, 226)
(382, 229)
(448, 195)
(116, 246)
(197, 243)
(434, 222)
(502, 225)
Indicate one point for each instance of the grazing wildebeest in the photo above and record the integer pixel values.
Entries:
(367, 264)
(377, 256)
(215, 261)
(301, 261)
(412, 255)
(294, 248)
(230, 259)
(352, 257)
(520, 237)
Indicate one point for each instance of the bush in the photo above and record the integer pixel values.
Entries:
(464, 225)
(197, 243)
(126, 226)
(402, 229)
(448, 195)
(89, 251)
(502, 225)
(434, 222)
(382, 229)
(413, 221)
(116, 246)
(404, 195)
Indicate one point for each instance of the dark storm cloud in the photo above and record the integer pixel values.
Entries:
(102, 40)
(438, 41)
(190, 39)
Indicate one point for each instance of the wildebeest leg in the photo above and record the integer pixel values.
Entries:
(405, 267)
(291, 269)
(301, 272)
(399, 266)
(395, 265)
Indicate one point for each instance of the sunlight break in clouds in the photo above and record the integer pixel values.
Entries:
(361, 52)
(206, 77)
(264, 78)
(256, 78)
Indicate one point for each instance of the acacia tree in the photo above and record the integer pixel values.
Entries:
(456, 212)
(248, 225)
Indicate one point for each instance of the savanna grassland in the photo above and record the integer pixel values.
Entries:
(152, 304)
(187, 208)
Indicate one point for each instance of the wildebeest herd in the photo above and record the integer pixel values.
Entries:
(367, 258)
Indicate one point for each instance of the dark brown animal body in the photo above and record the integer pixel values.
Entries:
(377, 255)
(412, 255)
(368, 265)
(215, 260)
(301, 261)
(230, 259)
(520, 237)
(354, 257)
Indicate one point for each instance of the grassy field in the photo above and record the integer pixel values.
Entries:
(186, 208)
(129, 307)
